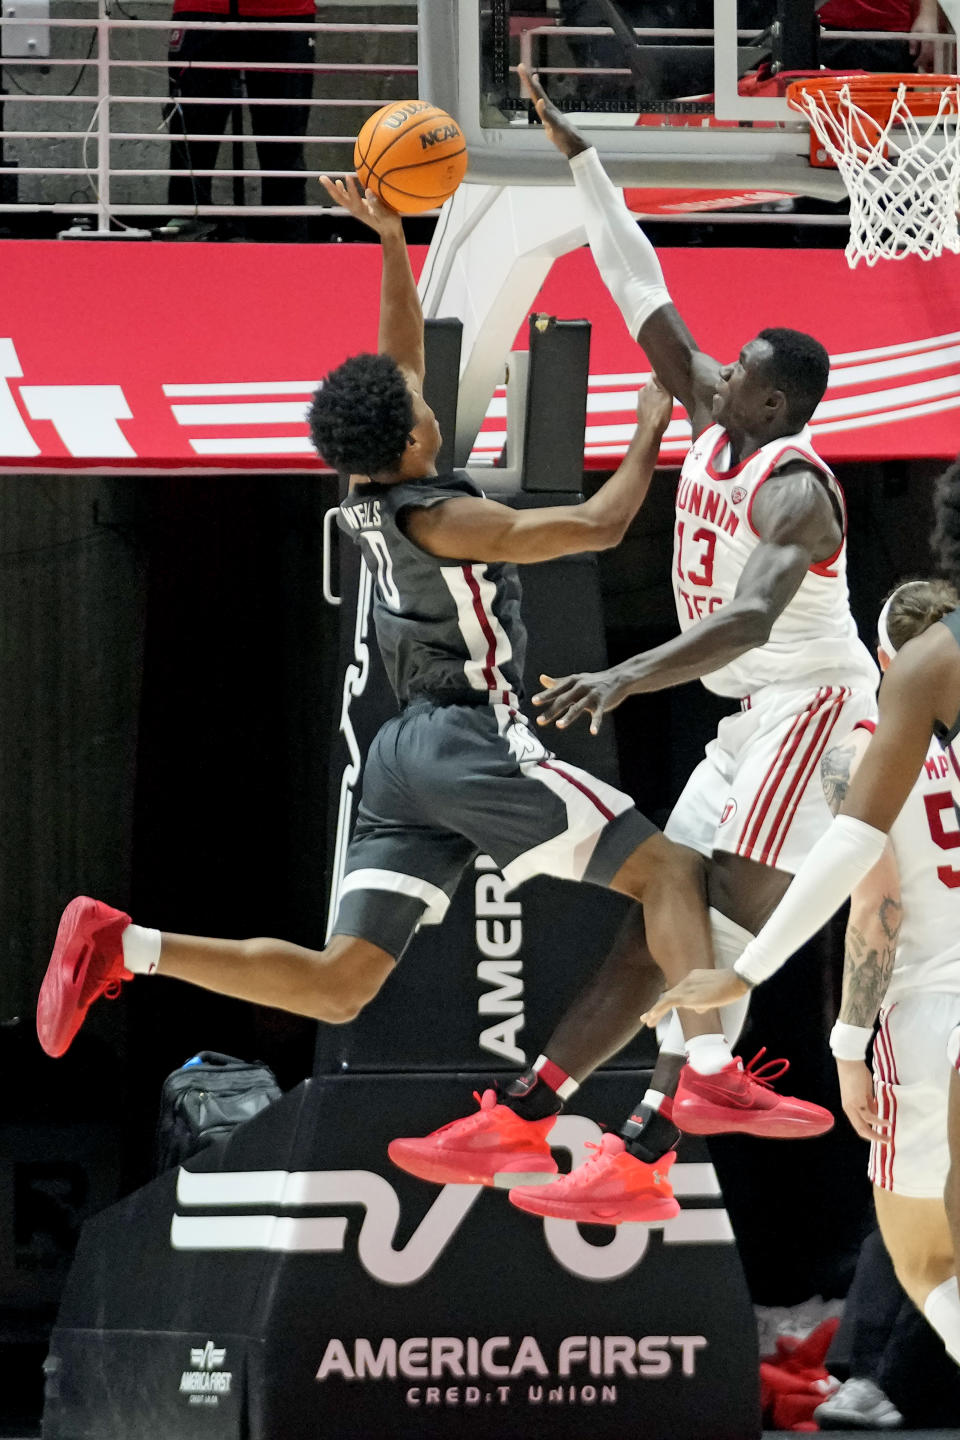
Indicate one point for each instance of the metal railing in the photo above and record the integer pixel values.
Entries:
(944, 44)
(86, 130)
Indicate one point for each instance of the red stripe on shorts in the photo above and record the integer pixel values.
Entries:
(884, 1109)
(756, 798)
(805, 770)
(885, 1040)
(572, 780)
(893, 1060)
(771, 781)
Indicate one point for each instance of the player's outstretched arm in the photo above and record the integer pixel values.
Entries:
(797, 526)
(478, 529)
(630, 269)
(401, 317)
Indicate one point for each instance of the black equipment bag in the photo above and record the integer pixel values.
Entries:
(207, 1098)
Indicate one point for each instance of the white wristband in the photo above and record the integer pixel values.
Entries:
(849, 1042)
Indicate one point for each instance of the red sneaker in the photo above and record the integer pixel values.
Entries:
(87, 962)
(611, 1187)
(743, 1100)
(493, 1146)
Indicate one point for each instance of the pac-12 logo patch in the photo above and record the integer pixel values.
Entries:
(729, 810)
(738, 494)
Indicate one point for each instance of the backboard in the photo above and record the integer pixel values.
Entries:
(664, 108)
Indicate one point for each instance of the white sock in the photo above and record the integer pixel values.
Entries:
(654, 1099)
(141, 949)
(670, 1039)
(729, 942)
(709, 1053)
(942, 1309)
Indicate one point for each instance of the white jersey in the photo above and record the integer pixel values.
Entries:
(926, 841)
(814, 642)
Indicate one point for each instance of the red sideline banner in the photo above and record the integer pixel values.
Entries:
(136, 356)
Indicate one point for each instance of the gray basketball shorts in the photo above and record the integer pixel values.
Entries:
(444, 783)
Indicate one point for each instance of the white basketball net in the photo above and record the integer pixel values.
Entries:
(903, 174)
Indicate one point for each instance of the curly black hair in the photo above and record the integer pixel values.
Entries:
(945, 540)
(799, 366)
(361, 416)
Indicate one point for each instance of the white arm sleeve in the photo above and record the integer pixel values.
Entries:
(836, 864)
(625, 258)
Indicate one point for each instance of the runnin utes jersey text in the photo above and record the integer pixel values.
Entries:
(814, 641)
(448, 630)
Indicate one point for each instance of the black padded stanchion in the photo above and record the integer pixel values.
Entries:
(557, 384)
(290, 1284)
(442, 343)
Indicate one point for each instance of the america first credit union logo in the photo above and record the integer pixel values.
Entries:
(501, 1370)
(206, 1380)
(308, 1212)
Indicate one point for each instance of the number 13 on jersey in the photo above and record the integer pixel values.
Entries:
(695, 558)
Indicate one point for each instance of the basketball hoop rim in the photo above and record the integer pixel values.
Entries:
(875, 93)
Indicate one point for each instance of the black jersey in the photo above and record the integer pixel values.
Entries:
(946, 733)
(448, 630)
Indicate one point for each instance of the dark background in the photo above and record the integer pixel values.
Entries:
(167, 686)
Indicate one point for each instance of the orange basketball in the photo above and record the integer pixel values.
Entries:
(412, 155)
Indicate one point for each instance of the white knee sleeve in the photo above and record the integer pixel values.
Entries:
(729, 942)
(625, 258)
(942, 1309)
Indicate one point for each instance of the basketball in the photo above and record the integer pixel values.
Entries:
(412, 155)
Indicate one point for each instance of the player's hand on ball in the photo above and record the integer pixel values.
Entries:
(362, 204)
(700, 990)
(556, 128)
(565, 700)
(860, 1103)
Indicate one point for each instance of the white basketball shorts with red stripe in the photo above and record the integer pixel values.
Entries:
(911, 1074)
(758, 793)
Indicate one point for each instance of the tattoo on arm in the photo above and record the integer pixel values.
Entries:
(835, 774)
(891, 915)
(867, 968)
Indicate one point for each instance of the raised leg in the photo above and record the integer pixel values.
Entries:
(332, 984)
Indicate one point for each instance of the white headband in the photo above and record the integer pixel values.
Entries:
(883, 634)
